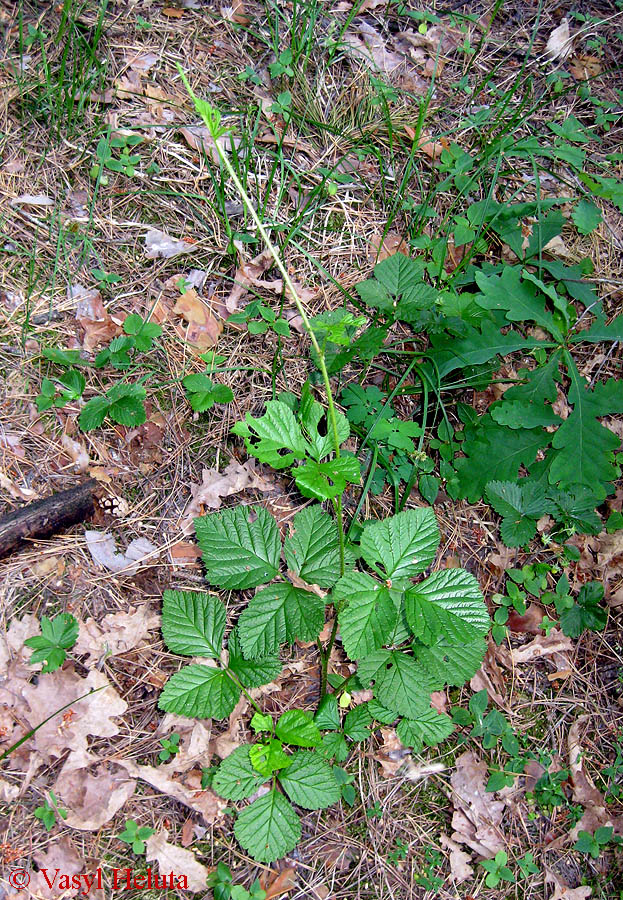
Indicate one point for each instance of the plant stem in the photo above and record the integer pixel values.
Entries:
(201, 108)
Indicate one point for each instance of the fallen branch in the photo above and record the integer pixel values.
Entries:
(45, 517)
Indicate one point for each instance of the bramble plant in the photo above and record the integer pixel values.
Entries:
(406, 637)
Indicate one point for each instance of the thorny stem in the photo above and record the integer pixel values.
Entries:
(200, 106)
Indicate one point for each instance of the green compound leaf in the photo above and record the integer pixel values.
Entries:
(368, 616)
(356, 723)
(241, 547)
(93, 413)
(312, 549)
(450, 663)
(193, 623)
(268, 828)
(404, 544)
(327, 716)
(429, 728)
(298, 727)
(277, 614)
(236, 779)
(325, 480)
(57, 635)
(520, 505)
(251, 673)
(448, 603)
(400, 682)
(267, 757)
(519, 299)
(309, 781)
(199, 692)
(275, 432)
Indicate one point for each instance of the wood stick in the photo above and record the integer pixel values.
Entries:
(41, 518)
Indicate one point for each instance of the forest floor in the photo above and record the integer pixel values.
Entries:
(112, 204)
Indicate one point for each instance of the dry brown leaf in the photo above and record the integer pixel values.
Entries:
(235, 13)
(12, 647)
(158, 245)
(477, 815)
(77, 453)
(227, 742)
(439, 701)
(215, 485)
(382, 247)
(203, 329)
(529, 622)
(367, 44)
(172, 12)
(559, 42)
(460, 870)
(282, 883)
(175, 859)
(185, 554)
(62, 858)
(91, 716)
(392, 754)
(194, 742)
(102, 548)
(597, 814)
(188, 791)
(248, 274)
(583, 68)
(555, 644)
(432, 148)
(92, 317)
(199, 138)
(490, 678)
(117, 633)
(93, 795)
(563, 891)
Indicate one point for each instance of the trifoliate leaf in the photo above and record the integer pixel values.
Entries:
(277, 614)
(241, 547)
(367, 613)
(404, 544)
(193, 623)
(251, 672)
(326, 480)
(429, 728)
(128, 411)
(586, 216)
(309, 781)
(312, 549)
(268, 828)
(449, 663)
(450, 603)
(57, 636)
(199, 692)
(400, 683)
(586, 614)
(267, 437)
(297, 727)
(236, 779)
(356, 723)
(203, 393)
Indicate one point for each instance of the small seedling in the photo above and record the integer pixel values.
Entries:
(136, 836)
(72, 384)
(105, 279)
(221, 882)
(592, 844)
(202, 392)
(374, 812)
(170, 747)
(49, 811)
(497, 869)
(57, 636)
(400, 852)
(527, 866)
(139, 336)
(123, 403)
(260, 318)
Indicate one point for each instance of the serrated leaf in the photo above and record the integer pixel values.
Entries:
(93, 413)
(277, 614)
(276, 431)
(429, 728)
(380, 713)
(311, 413)
(326, 480)
(450, 603)
(367, 613)
(399, 274)
(517, 530)
(518, 299)
(268, 828)
(297, 727)
(312, 549)
(586, 216)
(236, 779)
(333, 746)
(356, 723)
(538, 385)
(400, 683)
(475, 346)
(193, 623)
(199, 692)
(241, 547)
(327, 716)
(128, 411)
(251, 673)
(404, 544)
(309, 782)
(57, 636)
(449, 663)
(268, 757)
